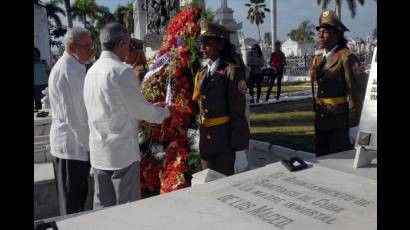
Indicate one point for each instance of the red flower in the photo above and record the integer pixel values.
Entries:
(183, 153)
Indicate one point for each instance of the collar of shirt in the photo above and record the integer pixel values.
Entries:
(72, 60)
(330, 52)
(212, 68)
(109, 54)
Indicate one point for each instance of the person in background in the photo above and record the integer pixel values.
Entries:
(220, 90)
(114, 105)
(41, 73)
(255, 61)
(277, 64)
(69, 130)
(137, 60)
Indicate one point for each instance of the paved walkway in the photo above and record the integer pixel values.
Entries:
(259, 159)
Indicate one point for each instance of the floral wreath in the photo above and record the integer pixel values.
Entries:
(171, 169)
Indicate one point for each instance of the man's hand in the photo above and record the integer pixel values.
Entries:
(171, 109)
(241, 162)
(353, 134)
(160, 104)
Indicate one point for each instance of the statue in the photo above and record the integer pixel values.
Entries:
(45, 102)
(158, 14)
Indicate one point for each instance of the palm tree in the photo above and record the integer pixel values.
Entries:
(67, 5)
(123, 15)
(208, 15)
(81, 9)
(103, 17)
(350, 3)
(53, 11)
(256, 14)
(267, 39)
(304, 33)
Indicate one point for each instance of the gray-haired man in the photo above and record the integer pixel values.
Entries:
(69, 130)
(114, 105)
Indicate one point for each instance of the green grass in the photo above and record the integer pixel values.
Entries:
(288, 124)
(287, 87)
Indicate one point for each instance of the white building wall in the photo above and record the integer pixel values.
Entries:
(290, 47)
(41, 36)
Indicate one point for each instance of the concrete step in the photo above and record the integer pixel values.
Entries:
(41, 139)
(45, 192)
(42, 154)
(42, 149)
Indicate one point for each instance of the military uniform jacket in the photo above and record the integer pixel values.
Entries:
(222, 94)
(340, 77)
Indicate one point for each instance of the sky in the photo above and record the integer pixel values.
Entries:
(290, 14)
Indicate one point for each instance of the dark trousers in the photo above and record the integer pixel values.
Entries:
(332, 141)
(38, 95)
(255, 79)
(72, 184)
(222, 163)
(278, 76)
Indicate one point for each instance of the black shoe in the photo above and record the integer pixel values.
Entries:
(42, 114)
(252, 101)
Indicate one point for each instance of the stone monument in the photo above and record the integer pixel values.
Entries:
(224, 16)
(366, 140)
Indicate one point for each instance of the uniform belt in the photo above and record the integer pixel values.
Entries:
(331, 100)
(209, 122)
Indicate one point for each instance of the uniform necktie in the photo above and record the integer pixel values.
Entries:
(322, 63)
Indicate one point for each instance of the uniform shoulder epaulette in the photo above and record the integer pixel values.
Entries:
(317, 55)
(233, 65)
(345, 52)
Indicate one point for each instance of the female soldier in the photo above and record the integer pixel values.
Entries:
(220, 90)
(339, 99)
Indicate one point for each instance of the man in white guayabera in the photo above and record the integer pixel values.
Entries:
(114, 105)
(69, 130)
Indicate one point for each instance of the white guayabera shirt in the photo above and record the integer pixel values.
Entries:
(69, 130)
(114, 105)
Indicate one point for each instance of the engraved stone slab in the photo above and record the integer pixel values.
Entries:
(266, 198)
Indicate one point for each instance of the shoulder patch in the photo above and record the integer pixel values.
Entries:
(242, 87)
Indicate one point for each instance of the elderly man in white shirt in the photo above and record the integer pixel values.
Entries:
(69, 130)
(114, 105)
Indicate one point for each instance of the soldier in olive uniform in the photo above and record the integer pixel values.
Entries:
(136, 58)
(340, 94)
(220, 90)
